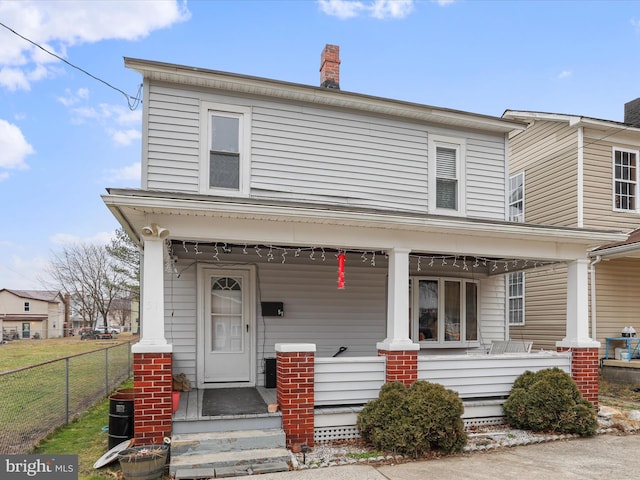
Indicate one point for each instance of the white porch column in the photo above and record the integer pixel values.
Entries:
(578, 307)
(152, 339)
(398, 303)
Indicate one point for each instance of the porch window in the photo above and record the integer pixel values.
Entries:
(516, 298)
(447, 310)
(226, 152)
(625, 180)
(446, 175)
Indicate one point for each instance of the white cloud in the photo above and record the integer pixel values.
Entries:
(70, 239)
(125, 137)
(564, 74)
(72, 98)
(64, 23)
(128, 173)
(380, 9)
(14, 147)
(636, 24)
(4, 176)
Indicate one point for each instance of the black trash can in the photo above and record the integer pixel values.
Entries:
(270, 378)
(120, 418)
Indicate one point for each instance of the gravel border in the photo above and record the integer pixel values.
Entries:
(479, 439)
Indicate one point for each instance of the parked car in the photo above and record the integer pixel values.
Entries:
(95, 334)
(114, 330)
(102, 333)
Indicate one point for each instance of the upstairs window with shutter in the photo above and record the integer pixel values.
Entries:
(446, 175)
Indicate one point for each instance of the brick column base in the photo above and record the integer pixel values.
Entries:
(295, 390)
(152, 382)
(584, 371)
(402, 366)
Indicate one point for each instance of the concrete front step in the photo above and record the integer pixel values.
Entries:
(228, 423)
(215, 442)
(230, 463)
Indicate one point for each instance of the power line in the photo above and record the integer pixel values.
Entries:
(133, 102)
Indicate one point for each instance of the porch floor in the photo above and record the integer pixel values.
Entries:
(190, 406)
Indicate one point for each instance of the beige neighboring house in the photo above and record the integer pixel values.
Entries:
(32, 313)
(575, 171)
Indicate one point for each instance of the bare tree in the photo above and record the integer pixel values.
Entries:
(88, 273)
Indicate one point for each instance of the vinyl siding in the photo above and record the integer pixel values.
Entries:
(315, 311)
(598, 188)
(545, 308)
(307, 153)
(618, 302)
(547, 150)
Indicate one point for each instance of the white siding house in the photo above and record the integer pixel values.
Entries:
(261, 199)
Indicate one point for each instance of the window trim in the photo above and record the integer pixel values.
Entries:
(510, 297)
(459, 145)
(635, 181)
(415, 315)
(207, 109)
(522, 199)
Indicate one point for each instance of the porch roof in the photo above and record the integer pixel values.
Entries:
(259, 221)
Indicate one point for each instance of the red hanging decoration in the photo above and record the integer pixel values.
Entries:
(341, 259)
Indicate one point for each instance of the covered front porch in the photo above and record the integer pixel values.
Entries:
(278, 269)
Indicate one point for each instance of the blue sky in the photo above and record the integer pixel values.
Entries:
(65, 137)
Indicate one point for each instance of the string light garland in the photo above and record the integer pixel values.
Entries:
(319, 254)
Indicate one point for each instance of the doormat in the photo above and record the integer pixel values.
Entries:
(232, 401)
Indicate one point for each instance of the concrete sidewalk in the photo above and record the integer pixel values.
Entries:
(601, 457)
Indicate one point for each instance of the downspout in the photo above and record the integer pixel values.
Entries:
(592, 272)
(580, 179)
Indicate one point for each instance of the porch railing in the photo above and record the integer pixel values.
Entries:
(348, 380)
(486, 376)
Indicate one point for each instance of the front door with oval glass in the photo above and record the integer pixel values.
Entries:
(227, 327)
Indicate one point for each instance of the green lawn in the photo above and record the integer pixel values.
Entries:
(86, 437)
(23, 353)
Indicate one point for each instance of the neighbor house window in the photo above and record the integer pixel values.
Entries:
(27, 306)
(625, 180)
(446, 310)
(516, 198)
(516, 298)
(446, 175)
(225, 153)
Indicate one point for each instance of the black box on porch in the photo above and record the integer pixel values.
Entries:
(272, 309)
(270, 378)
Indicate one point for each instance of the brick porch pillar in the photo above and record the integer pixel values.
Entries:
(152, 382)
(402, 366)
(585, 371)
(295, 390)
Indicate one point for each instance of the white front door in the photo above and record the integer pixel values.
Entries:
(227, 327)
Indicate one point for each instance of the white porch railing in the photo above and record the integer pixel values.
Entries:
(348, 380)
(486, 376)
(344, 385)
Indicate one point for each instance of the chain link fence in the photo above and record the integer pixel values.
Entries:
(35, 400)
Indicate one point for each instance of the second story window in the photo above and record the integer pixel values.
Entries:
(225, 154)
(625, 180)
(516, 198)
(27, 306)
(446, 175)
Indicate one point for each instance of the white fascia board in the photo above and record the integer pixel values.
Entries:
(378, 219)
(331, 98)
(630, 250)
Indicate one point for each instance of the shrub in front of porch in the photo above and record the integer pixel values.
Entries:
(549, 400)
(423, 418)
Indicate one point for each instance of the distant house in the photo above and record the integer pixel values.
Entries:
(362, 236)
(32, 313)
(576, 171)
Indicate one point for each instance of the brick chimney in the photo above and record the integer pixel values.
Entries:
(330, 67)
(632, 112)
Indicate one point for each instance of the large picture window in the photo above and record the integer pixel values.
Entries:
(625, 180)
(446, 311)
(225, 149)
